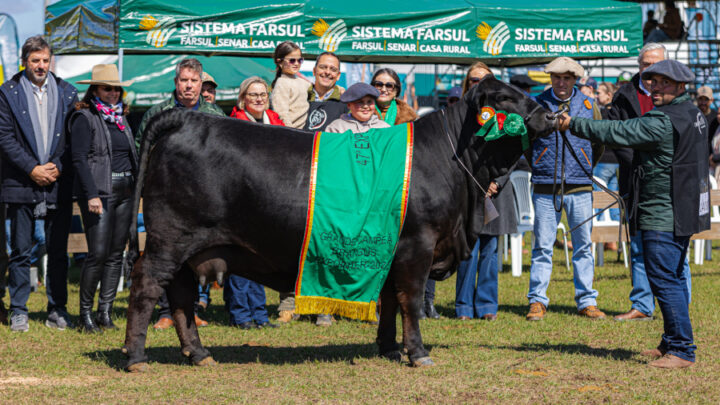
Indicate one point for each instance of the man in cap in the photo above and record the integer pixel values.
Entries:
(704, 102)
(633, 100)
(324, 94)
(454, 95)
(36, 179)
(523, 82)
(209, 87)
(577, 198)
(588, 87)
(670, 195)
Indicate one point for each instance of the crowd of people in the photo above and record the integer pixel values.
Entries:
(57, 148)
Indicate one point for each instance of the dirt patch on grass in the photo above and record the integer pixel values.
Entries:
(16, 380)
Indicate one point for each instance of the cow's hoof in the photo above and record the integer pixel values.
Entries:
(138, 368)
(124, 350)
(394, 355)
(423, 362)
(207, 362)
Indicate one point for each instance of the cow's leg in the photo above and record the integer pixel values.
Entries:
(182, 294)
(387, 331)
(409, 296)
(144, 293)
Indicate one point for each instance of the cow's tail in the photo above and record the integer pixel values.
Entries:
(158, 126)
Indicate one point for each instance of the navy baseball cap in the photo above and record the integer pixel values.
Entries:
(671, 69)
(455, 92)
(358, 91)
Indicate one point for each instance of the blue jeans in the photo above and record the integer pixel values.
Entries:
(664, 257)
(38, 248)
(641, 295)
(244, 300)
(607, 172)
(476, 300)
(578, 207)
(204, 294)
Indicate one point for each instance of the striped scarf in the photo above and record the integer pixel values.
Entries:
(110, 113)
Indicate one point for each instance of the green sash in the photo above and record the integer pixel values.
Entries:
(390, 114)
(359, 185)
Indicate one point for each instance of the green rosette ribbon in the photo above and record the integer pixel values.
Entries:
(504, 124)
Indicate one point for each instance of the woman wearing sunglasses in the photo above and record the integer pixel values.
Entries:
(360, 99)
(477, 72)
(476, 288)
(105, 162)
(289, 90)
(389, 106)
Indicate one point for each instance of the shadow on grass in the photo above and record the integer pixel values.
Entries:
(249, 354)
(572, 348)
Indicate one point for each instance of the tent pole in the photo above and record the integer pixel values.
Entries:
(121, 51)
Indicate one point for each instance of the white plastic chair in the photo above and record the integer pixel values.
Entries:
(702, 246)
(526, 219)
(604, 220)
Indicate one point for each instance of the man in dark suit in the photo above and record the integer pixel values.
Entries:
(36, 178)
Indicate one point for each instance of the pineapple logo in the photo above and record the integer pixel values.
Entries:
(330, 35)
(158, 31)
(495, 38)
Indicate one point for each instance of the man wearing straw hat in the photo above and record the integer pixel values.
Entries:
(36, 178)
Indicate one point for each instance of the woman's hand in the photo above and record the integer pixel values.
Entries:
(95, 205)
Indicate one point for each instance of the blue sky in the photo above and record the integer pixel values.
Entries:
(28, 15)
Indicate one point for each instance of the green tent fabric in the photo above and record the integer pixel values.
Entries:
(74, 26)
(153, 75)
(508, 32)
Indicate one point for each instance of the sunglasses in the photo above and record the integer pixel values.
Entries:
(380, 85)
(293, 61)
(475, 79)
(112, 88)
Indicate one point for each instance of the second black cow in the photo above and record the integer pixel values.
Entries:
(224, 195)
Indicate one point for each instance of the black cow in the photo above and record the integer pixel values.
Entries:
(223, 195)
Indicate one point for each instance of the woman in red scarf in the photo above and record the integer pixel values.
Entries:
(254, 103)
(245, 299)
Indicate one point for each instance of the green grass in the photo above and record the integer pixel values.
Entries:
(563, 359)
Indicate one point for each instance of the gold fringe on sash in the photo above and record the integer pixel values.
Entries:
(364, 311)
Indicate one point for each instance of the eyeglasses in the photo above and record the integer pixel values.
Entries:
(111, 88)
(380, 85)
(257, 96)
(293, 61)
(328, 67)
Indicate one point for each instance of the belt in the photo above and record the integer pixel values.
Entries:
(122, 174)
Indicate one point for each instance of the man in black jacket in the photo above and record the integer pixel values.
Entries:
(633, 100)
(36, 178)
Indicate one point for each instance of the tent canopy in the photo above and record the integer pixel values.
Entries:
(508, 32)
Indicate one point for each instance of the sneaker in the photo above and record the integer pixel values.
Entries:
(592, 312)
(537, 312)
(58, 319)
(324, 320)
(19, 323)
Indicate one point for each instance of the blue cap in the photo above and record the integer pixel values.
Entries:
(455, 92)
(671, 69)
(358, 91)
(590, 82)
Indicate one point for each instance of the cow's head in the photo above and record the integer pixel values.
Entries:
(499, 123)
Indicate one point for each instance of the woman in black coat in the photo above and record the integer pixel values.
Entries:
(105, 162)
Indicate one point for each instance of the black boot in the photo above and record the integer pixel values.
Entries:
(87, 324)
(103, 317)
(430, 310)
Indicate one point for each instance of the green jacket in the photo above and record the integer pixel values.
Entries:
(336, 93)
(166, 105)
(651, 136)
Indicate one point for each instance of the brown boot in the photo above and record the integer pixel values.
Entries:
(653, 353)
(199, 322)
(592, 312)
(670, 361)
(611, 246)
(287, 316)
(632, 315)
(164, 323)
(537, 312)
